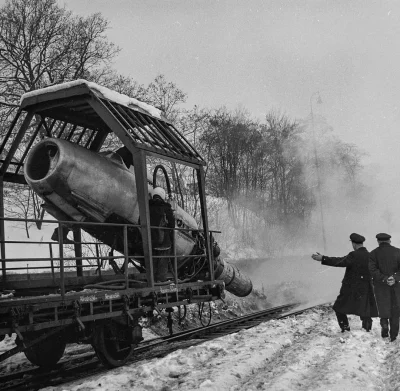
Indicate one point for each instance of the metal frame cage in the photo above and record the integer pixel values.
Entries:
(83, 114)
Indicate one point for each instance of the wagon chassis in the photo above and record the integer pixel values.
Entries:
(33, 314)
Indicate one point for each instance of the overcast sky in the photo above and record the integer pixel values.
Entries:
(271, 55)
(265, 55)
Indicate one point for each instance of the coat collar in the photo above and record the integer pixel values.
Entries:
(362, 249)
(384, 244)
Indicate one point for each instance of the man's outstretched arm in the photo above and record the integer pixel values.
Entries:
(333, 261)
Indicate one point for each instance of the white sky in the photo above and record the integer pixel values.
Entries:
(267, 55)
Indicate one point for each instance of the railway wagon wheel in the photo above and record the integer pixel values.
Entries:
(113, 344)
(48, 352)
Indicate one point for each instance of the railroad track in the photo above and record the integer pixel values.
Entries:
(88, 364)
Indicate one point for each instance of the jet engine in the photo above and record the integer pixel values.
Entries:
(82, 185)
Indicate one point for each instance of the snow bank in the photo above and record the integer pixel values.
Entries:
(306, 352)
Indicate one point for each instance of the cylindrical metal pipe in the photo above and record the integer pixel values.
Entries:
(235, 281)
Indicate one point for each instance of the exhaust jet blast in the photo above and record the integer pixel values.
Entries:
(82, 185)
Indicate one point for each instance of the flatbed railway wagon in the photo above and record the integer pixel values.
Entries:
(85, 151)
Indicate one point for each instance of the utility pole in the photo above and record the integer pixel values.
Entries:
(317, 167)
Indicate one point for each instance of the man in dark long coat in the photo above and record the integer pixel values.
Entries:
(384, 266)
(161, 215)
(356, 295)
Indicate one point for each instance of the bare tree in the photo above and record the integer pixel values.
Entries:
(287, 194)
(22, 203)
(348, 157)
(165, 96)
(42, 43)
(123, 85)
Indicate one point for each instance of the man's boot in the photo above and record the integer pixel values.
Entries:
(343, 321)
(367, 324)
(385, 327)
(344, 326)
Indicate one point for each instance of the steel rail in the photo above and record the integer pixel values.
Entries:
(88, 364)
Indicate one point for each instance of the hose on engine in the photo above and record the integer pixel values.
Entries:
(178, 185)
(201, 310)
(200, 261)
(162, 168)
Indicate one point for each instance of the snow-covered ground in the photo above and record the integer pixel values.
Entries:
(306, 352)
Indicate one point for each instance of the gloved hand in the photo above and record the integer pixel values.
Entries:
(390, 281)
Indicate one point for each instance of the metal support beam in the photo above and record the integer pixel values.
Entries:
(98, 141)
(10, 130)
(78, 250)
(139, 163)
(2, 235)
(61, 256)
(203, 205)
(17, 140)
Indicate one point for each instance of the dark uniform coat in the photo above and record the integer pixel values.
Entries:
(161, 215)
(385, 262)
(356, 295)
